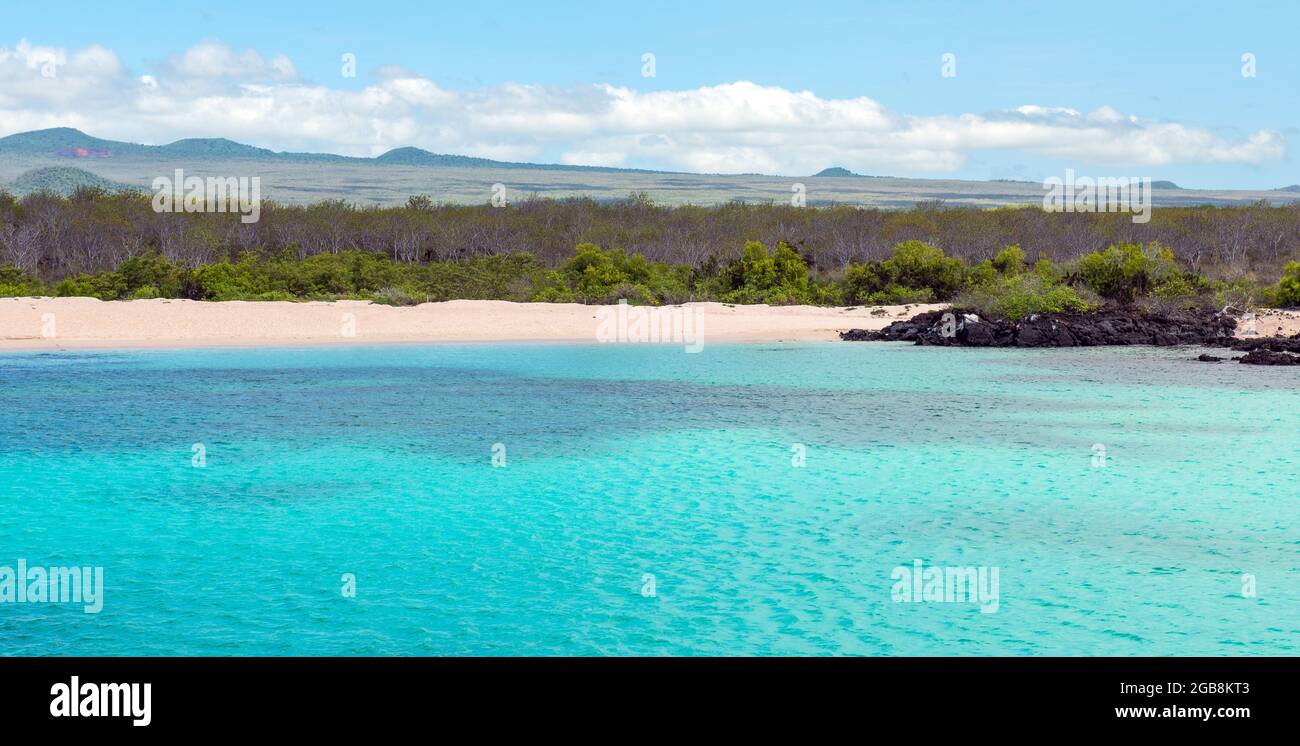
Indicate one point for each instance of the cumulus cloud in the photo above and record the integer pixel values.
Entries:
(737, 127)
(214, 60)
(36, 77)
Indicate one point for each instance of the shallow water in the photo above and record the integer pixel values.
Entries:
(1121, 495)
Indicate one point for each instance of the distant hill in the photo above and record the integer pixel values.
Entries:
(836, 171)
(214, 147)
(62, 159)
(1292, 188)
(56, 139)
(66, 142)
(418, 157)
(63, 180)
(1164, 185)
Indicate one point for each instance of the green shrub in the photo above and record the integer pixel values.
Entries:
(345, 274)
(151, 276)
(146, 292)
(1241, 292)
(397, 296)
(919, 265)
(860, 282)
(105, 286)
(897, 295)
(1178, 294)
(1010, 261)
(16, 283)
(226, 281)
(494, 277)
(274, 295)
(554, 290)
(1288, 290)
(596, 275)
(914, 268)
(1018, 296)
(759, 276)
(1123, 272)
(1046, 271)
(981, 273)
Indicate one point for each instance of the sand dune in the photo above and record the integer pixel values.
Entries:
(54, 323)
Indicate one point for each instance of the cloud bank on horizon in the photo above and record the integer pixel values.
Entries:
(211, 90)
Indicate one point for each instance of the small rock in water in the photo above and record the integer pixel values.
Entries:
(1268, 357)
(1210, 359)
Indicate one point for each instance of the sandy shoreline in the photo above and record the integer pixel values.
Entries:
(1273, 322)
(74, 323)
(70, 323)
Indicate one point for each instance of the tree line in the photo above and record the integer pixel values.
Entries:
(52, 237)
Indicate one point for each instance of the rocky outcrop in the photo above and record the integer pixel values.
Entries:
(1269, 344)
(1268, 357)
(1112, 326)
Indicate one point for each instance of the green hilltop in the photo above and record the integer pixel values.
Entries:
(836, 171)
(218, 147)
(63, 180)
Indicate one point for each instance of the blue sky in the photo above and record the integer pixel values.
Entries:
(1175, 67)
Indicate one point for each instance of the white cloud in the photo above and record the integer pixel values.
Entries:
(211, 90)
(214, 60)
(35, 78)
(1032, 110)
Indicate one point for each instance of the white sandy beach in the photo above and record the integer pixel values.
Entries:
(56, 323)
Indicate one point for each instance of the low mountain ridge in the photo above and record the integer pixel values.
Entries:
(67, 142)
(63, 180)
(391, 178)
(218, 147)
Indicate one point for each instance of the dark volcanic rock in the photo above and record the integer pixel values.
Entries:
(1268, 357)
(1271, 344)
(861, 335)
(1110, 326)
(1210, 359)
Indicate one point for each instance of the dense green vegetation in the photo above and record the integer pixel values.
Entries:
(1288, 291)
(916, 272)
(1005, 286)
(114, 246)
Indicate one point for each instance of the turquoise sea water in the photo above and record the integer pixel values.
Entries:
(627, 461)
